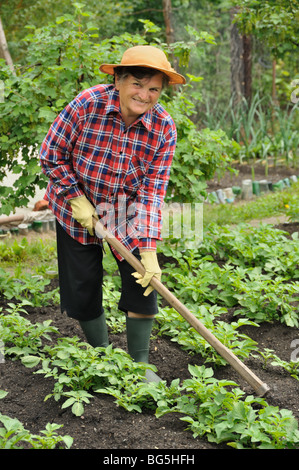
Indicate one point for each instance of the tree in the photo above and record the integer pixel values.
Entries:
(4, 51)
(168, 21)
(240, 63)
(273, 22)
(19, 15)
(62, 59)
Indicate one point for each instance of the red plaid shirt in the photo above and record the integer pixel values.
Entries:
(123, 172)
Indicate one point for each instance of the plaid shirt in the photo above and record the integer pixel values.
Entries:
(123, 172)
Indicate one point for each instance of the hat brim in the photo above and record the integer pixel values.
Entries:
(174, 77)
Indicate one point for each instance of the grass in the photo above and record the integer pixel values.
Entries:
(29, 253)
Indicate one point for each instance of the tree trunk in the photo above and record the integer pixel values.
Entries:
(274, 81)
(236, 62)
(169, 33)
(240, 63)
(168, 22)
(4, 52)
(247, 60)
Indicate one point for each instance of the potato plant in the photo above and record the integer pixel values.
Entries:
(213, 409)
(13, 435)
(229, 269)
(255, 269)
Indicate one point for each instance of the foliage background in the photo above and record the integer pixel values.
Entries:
(58, 47)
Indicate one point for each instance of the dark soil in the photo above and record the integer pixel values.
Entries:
(106, 426)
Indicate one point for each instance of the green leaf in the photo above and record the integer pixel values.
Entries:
(68, 402)
(47, 113)
(30, 361)
(78, 409)
(68, 440)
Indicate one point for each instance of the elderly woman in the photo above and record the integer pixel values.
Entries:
(108, 155)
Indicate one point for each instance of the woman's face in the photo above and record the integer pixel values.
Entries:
(137, 96)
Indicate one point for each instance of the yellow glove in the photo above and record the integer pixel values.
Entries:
(150, 262)
(83, 211)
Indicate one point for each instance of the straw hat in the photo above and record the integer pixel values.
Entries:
(146, 56)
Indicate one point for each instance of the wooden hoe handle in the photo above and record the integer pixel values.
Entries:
(260, 388)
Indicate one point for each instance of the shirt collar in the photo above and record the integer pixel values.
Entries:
(113, 106)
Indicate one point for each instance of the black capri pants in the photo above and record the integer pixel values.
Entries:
(80, 280)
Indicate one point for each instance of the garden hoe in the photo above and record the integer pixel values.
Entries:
(260, 388)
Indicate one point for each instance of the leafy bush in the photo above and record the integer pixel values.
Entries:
(62, 60)
(28, 287)
(173, 325)
(217, 412)
(19, 334)
(248, 246)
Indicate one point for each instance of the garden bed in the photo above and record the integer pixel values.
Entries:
(274, 173)
(104, 425)
(107, 426)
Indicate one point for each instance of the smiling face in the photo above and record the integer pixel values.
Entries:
(137, 96)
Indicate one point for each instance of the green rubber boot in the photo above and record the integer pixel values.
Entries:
(96, 331)
(138, 339)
